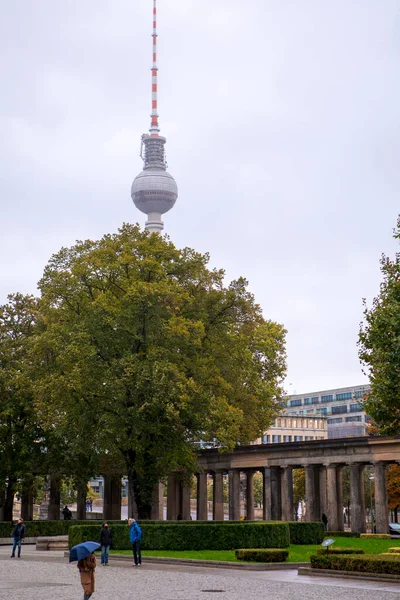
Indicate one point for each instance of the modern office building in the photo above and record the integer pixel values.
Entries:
(296, 428)
(342, 408)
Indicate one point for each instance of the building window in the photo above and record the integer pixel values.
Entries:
(357, 418)
(276, 439)
(334, 421)
(278, 423)
(355, 407)
(338, 410)
(295, 402)
(265, 439)
(298, 438)
(307, 400)
(322, 411)
(345, 396)
(308, 438)
(367, 418)
(359, 393)
(315, 400)
(328, 398)
(287, 438)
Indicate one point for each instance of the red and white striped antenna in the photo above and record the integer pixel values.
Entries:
(154, 127)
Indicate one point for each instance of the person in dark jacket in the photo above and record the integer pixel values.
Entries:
(105, 541)
(135, 536)
(67, 513)
(18, 533)
(324, 519)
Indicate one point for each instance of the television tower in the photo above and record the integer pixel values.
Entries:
(154, 190)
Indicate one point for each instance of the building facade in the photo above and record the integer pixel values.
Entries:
(296, 428)
(342, 408)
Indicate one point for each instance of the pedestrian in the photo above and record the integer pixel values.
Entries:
(87, 505)
(67, 513)
(135, 536)
(86, 568)
(324, 519)
(18, 533)
(90, 504)
(105, 541)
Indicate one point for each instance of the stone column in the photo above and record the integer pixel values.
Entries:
(322, 490)
(276, 496)
(172, 497)
(112, 498)
(332, 500)
(54, 499)
(250, 495)
(357, 503)
(185, 502)
(266, 472)
(81, 491)
(339, 488)
(202, 497)
(157, 504)
(218, 496)
(27, 505)
(381, 499)
(234, 495)
(287, 494)
(313, 507)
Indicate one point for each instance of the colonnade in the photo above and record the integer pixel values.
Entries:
(324, 494)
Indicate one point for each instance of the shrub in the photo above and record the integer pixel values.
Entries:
(262, 555)
(337, 550)
(375, 536)
(361, 564)
(177, 536)
(394, 550)
(390, 554)
(44, 528)
(342, 534)
(306, 533)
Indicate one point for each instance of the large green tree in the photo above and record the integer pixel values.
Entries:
(150, 348)
(21, 438)
(379, 347)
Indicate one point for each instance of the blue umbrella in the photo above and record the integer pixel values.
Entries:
(82, 550)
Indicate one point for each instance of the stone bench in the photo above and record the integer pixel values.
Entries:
(55, 542)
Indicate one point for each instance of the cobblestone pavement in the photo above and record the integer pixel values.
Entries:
(48, 576)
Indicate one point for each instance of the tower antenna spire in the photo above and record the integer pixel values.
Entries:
(154, 127)
(154, 190)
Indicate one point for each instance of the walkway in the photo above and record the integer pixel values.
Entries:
(47, 575)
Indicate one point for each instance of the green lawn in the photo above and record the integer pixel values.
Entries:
(296, 553)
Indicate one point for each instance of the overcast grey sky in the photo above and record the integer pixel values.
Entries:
(282, 125)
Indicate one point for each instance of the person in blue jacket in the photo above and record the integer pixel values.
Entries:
(135, 536)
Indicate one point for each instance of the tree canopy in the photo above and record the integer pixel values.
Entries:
(379, 347)
(142, 351)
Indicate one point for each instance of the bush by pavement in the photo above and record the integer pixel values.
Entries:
(361, 564)
(266, 555)
(337, 550)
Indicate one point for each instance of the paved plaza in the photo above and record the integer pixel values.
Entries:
(48, 576)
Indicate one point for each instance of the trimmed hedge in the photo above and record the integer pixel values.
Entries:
(375, 536)
(212, 536)
(362, 564)
(342, 534)
(394, 550)
(306, 533)
(45, 528)
(323, 551)
(262, 555)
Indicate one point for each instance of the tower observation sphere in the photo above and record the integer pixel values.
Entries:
(154, 190)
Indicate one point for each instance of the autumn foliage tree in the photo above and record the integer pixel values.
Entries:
(146, 348)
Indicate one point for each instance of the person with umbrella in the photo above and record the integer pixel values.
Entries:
(84, 554)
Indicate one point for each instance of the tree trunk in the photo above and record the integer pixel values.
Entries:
(81, 489)
(9, 500)
(395, 515)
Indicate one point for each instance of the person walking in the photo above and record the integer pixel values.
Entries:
(67, 513)
(135, 536)
(105, 541)
(86, 568)
(18, 533)
(324, 519)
